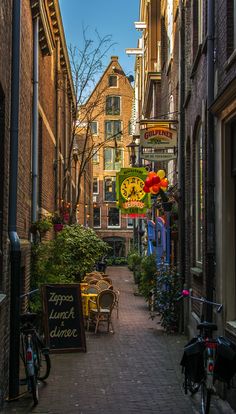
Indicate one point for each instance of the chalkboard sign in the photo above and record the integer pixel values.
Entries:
(63, 317)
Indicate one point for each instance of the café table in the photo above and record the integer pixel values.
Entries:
(85, 302)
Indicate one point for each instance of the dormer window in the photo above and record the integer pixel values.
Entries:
(113, 81)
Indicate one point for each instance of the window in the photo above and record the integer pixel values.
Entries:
(113, 81)
(112, 105)
(96, 217)
(113, 217)
(94, 127)
(199, 196)
(95, 157)
(110, 189)
(113, 159)
(130, 222)
(113, 128)
(95, 185)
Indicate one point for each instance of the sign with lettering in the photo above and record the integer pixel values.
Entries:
(64, 325)
(131, 199)
(158, 134)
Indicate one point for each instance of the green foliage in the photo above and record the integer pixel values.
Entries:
(148, 275)
(42, 225)
(68, 257)
(116, 261)
(167, 290)
(134, 264)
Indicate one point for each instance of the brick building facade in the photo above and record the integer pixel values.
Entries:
(110, 122)
(55, 111)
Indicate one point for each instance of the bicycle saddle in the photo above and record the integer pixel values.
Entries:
(207, 325)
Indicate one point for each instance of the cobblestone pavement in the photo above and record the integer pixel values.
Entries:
(134, 370)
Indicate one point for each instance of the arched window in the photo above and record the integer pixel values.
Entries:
(199, 195)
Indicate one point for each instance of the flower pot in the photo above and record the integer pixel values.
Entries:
(58, 227)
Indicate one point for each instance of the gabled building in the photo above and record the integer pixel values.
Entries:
(110, 124)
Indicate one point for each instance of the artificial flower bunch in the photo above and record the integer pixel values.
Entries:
(155, 182)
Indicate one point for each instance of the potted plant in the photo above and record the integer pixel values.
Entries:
(58, 222)
(42, 225)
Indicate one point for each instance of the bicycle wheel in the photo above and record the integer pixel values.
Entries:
(34, 388)
(44, 362)
(205, 398)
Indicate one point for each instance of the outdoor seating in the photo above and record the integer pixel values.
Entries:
(86, 305)
(105, 302)
(103, 284)
(107, 279)
(93, 288)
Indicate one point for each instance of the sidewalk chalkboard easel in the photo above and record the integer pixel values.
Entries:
(63, 318)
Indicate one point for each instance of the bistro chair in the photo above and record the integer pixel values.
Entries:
(103, 284)
(107, 279)
(92, 289)
(105, 302)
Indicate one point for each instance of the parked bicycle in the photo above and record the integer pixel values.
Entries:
(207, 359)
(33, 352)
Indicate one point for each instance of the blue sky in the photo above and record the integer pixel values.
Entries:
(109, 17)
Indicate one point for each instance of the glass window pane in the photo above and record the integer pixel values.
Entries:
(96, 217)
(94, 127)
(113, 217)
(95, 185)
(112, 80)
(110, 189)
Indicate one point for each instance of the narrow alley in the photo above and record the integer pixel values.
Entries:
(134, 370)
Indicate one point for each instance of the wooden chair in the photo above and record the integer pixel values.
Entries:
(105, 302)
(92, 289)
(108, 279)
(103, 284)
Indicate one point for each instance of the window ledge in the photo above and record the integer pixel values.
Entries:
(196, 272)
(230, 61)
(2, 297)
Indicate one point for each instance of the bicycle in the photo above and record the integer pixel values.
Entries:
(33, 352)
(199, 359)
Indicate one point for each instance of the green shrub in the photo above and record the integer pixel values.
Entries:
(134, 264)
(148, 275)
(168, 286)
(67, 258)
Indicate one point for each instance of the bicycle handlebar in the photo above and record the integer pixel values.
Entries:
(29, 293)
(186, 294)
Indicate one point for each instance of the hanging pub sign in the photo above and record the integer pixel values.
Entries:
(150, 155)
(158, 134)
(131, 198)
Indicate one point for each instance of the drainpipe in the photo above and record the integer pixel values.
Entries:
(181, 145)
(15, 248)
(35, 122)
(58, 119)
(210, 207)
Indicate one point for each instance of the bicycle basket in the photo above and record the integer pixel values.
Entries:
(192, 360)
(225, 363)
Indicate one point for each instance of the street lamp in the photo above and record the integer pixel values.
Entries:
(132, 150)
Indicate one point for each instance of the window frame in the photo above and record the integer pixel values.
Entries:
(112, 161)
(96, 154)
(113, 122)
(113, 185)
(199, 208)
(113, 226)
(97, 179)
(94, 122)
(113, 76)
(100, 216)
(112, 106)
